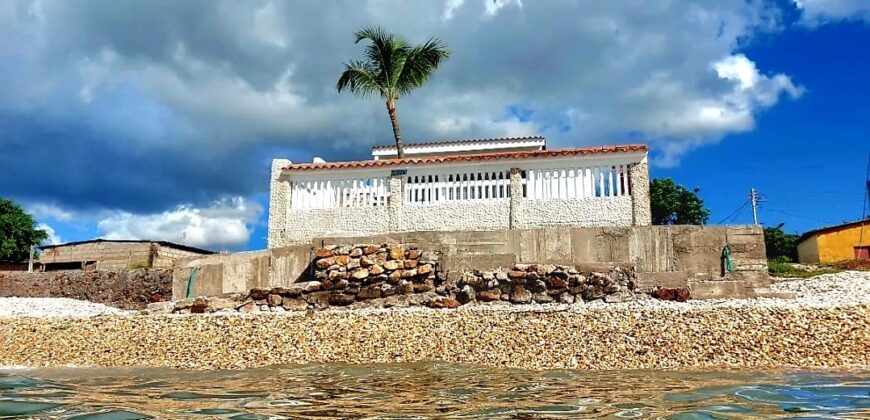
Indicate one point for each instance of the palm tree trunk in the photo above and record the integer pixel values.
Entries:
(394, 120)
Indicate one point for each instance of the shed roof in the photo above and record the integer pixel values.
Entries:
(827, 229)
(478, 157)
(460, 142)
(162, 243)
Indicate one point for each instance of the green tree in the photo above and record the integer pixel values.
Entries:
(392, 67)
(674, 204)
(779, 244)
(17, 232)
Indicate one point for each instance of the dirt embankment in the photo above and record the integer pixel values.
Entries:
(128, 289)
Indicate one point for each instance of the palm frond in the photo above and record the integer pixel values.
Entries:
(360, 79)
(420, 63)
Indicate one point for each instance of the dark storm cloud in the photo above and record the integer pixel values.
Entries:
(143, 106)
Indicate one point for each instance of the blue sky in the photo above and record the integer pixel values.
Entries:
(134, 119)
(806, 157)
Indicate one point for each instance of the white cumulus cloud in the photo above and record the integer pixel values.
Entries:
(53, 238)
(222, 225)
(817, 12)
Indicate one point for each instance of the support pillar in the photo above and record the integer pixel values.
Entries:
(638, 174)
(394, 203)
(279, 203)
(516, 197)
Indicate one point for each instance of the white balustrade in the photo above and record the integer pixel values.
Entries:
(461, 186)
(337, 193)
(577, 182)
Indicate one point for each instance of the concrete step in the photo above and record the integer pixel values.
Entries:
(719, 289)
(764, 292)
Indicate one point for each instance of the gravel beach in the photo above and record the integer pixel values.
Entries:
(826, 325)
(54, 307)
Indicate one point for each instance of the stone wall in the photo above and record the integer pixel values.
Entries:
(128, 289)
(289, 226)
(303, 225)
(663, 256)
(368, 275)
(460, 215)
(584, 212)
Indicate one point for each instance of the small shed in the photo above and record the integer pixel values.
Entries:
(848, 241)
(105, 254)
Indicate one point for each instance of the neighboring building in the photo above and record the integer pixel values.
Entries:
(477, 185)
(105, 254)
(849, 241)
(460, 147)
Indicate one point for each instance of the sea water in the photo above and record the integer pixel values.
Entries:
(429, 390)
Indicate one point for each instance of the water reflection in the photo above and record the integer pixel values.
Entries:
(429, 390)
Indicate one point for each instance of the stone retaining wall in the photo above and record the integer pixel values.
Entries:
(663, 256)
(367, 275)
(128, 289)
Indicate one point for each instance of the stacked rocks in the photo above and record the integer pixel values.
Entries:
(344, 275)
(545, 283)
(369, 275)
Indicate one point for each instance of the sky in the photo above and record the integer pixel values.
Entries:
(159, 119)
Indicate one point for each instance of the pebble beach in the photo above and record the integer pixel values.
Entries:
(827, 324)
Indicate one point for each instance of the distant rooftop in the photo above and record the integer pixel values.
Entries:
(458, 147)
(161, 243)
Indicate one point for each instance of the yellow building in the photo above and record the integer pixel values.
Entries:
(831, 244)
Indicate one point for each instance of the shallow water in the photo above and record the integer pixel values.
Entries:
(429, 390)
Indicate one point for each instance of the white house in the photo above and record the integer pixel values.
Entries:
(484, 184)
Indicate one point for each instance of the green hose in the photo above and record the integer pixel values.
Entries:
(727, 263)
(190, 282)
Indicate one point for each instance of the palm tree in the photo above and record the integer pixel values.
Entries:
(392, 67)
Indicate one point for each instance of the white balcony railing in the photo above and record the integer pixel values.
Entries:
(460, 186)
(354, 192)
(577, 182)
(539, 181)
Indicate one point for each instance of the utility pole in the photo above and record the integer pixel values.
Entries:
(30, 261)
(753, 198)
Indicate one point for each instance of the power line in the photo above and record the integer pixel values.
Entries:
(733, 213)
(798, 216)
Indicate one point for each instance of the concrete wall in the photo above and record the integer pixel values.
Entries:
(682, 253)
(106, 255)
(808, 251)
(236, 273)
(668, 256)
(167, 255)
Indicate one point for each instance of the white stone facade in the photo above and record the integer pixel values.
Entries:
(536, 189)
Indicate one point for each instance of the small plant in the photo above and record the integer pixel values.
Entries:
(783, 267)
(138, 266)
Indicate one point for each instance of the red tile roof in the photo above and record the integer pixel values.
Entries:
(454, 142)
(482, 157)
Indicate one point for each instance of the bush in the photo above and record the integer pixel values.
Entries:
(780, 245)
(782, 267)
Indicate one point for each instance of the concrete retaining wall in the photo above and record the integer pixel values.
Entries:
(238, 273)
(668, 256)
